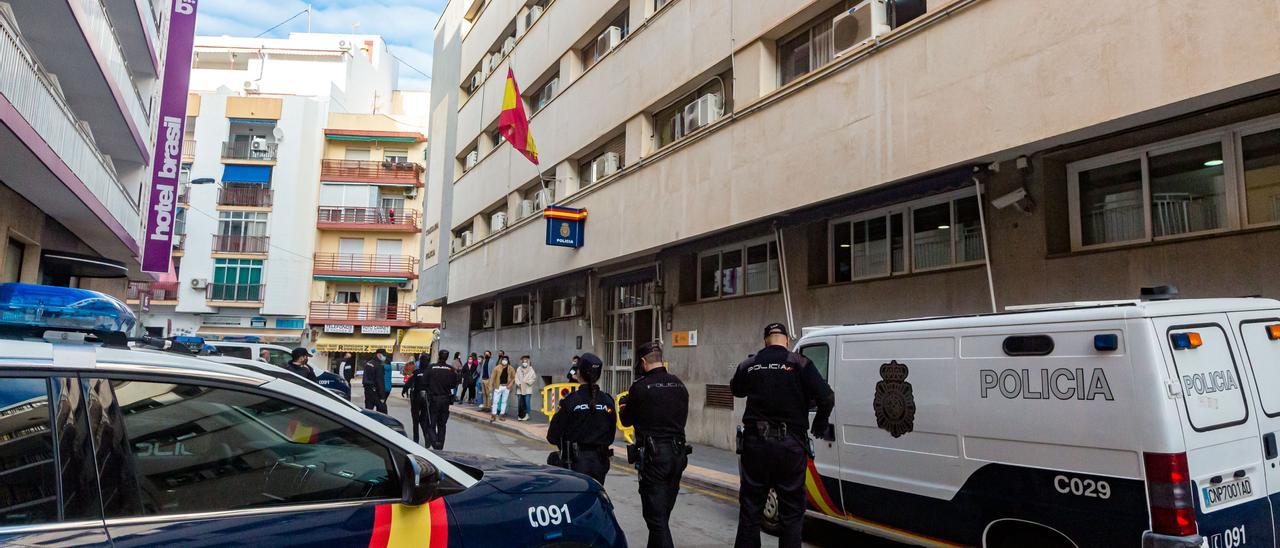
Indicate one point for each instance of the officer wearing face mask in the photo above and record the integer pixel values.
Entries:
(657, 405)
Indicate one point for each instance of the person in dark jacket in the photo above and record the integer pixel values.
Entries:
(584, 426)
(467, 390)
(438, 381)
(375, 397)
(414, 390)
(347, 367)
(657, 405)
(298, 365)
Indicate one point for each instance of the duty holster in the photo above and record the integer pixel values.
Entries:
(635, 455)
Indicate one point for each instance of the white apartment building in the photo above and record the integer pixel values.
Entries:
(245, 235)
(819, 162)
(79, 87)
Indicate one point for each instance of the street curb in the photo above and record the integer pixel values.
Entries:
(691, 474)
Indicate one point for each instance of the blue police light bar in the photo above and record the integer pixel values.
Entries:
(66, 308)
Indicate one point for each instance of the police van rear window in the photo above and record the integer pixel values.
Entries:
(1212, 388)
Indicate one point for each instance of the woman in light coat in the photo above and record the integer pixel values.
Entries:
(525, 379)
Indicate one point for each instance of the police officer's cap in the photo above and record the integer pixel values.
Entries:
(647, 348)
(591, 366)
(775, 328)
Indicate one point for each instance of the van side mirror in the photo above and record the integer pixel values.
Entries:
(419, 482)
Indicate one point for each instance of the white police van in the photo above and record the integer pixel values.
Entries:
(1084, 424)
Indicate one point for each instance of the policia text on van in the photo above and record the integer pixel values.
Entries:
(1120, 423)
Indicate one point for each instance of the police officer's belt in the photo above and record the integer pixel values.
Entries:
(768, 430)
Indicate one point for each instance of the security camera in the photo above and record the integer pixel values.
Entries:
(1009, 199)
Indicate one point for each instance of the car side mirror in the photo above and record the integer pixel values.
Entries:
(419, 482)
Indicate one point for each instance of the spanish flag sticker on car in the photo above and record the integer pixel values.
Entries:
(397, 525)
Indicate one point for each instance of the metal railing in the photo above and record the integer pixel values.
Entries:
(246, 150)
(233, 292)
(136, 290)
(40, 102)
(101, 32)
(188, 149)
(184, 193)
(179, 241)
(345, 262)
(369, 170)
(255, 196)
(367, 216)
(355, 312)
(237, 243)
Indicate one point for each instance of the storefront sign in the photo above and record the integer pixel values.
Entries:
(257, 322)
(226, 321)
(339, 328)
(565, 226)
(375, 329)
(684, 338)
(166, 158)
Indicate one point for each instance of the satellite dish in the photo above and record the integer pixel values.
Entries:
(278, 133)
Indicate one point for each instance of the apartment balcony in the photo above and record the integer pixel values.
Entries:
(188, 150)
(372, 268)
(164, 297)
(368, 171)
(236, 244)
(367, 218)
(77, 185)
(248, 295)
(249, 151)
(184, 193)
(179, 244)
(251, 196)
(76, 41)
(137, 27)
(361, 314)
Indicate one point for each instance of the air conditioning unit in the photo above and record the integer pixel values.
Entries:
(476, 79)
(575, 306)
(250, 86)
(344, 45)
(560, 308)
(497, 221)
(533, 15)
(607, 164)
(466, 238)
(519, 313)
(405, 285)
(677, 126)
(858, 25)
(456, 246)
(411, 192)
(508, 45)
(486, 318)
(199, 283)
(543, 198)
(258, 143)
(526, 209)
(607, 41)
(494, 61)
(473, 158)
(703, 111)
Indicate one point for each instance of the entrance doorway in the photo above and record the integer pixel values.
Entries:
(630, 321)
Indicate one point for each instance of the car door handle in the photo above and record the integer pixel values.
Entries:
(1269, 445)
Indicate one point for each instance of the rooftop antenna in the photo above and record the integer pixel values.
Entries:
(308, 18)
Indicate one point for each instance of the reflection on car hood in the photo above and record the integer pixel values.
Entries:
(519, 477)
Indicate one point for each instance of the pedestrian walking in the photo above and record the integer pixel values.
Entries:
(467, 390)
(778, 385)
(525, 379)
(584, 426)
(441, 379)
(504, 378)
(374, 388)
(347, 367)
(298, 365)
(415, 388)
(482, 380)
(657, 405)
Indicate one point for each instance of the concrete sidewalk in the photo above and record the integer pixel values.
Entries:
(709, 468)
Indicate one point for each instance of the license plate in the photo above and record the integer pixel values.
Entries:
(1222, 493)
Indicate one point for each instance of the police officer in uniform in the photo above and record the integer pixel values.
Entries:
(375, 368)
(657, 405)
(778, 385)
(415, 387)
(584, 426)
(441, 379)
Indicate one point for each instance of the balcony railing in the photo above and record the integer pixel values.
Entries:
(184, 193)
(188, 149)
(103, 38)
(370, 171)
(245, 196)
(136, 290)
(368, 217)
(343, 263)
(234, 292)
(248, 150)
(179, 242)
(355, 312)
(235, 243)
(41, 104)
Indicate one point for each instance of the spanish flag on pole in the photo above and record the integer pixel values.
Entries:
(513, 124)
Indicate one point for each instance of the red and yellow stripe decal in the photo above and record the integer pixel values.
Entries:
(301, 433)
(565, 213)
(816, 493)
(397, 525)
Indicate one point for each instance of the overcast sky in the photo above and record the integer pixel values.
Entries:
(405, 25)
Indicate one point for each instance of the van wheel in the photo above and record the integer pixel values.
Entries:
(769, 520)
(1013, 533)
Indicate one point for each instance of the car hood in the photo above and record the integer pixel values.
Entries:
(519, 477)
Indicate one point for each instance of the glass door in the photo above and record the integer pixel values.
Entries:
(631, 322)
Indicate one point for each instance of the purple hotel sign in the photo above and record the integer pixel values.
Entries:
(165, 160)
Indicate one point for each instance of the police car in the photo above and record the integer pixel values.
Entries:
(105, 445)
(1083, 424)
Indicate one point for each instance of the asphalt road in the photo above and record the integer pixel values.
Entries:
(702, 518)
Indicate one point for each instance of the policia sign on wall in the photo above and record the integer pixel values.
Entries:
(565, 226)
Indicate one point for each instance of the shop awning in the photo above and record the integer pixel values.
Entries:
(354, 343)
(246, 174)
(416, 340)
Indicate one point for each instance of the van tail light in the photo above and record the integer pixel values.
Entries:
(1173, 509)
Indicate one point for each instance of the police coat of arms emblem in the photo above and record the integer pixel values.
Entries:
(894, 403)
(564, 230)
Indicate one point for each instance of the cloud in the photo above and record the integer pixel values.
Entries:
(406, 25)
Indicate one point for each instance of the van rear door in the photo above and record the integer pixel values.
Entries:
(1219, 419)
(1259, 338)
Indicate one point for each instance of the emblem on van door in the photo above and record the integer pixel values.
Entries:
(895, 405)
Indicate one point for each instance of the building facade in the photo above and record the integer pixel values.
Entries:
(79, 86)
(743, 165)
(245, 231)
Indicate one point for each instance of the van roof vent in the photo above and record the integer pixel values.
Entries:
(1159, 293)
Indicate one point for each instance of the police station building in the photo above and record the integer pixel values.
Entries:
(824, 162)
